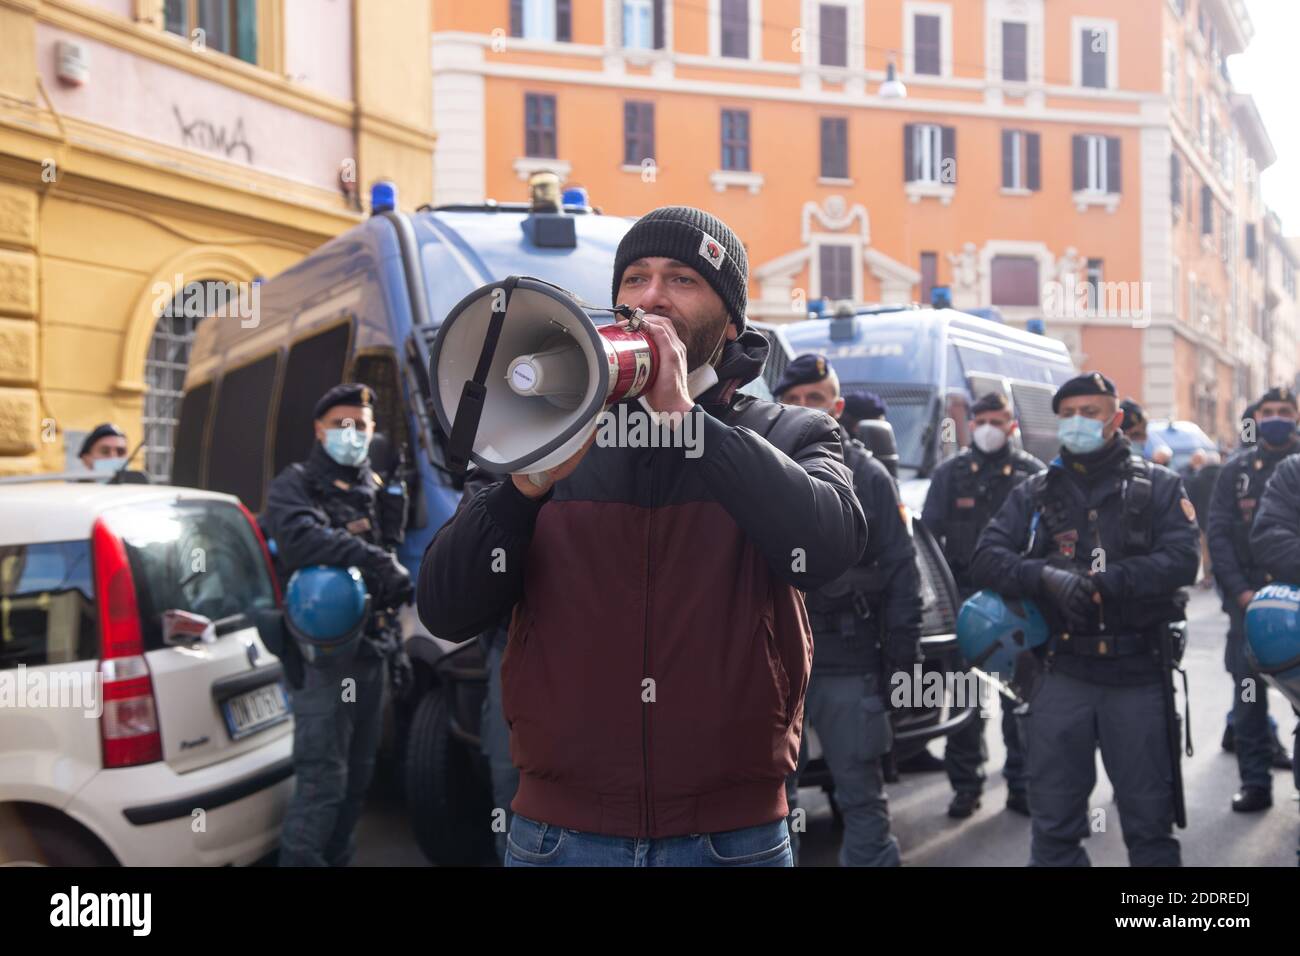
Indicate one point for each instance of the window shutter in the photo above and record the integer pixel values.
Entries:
(909, 157)
(1112, 164)
(1079, 148)
(1008, 167)
(658, 16)
(246, 31)
(563, 21)
(949, 150)
(516, 18)
(1031, 161)
(1175, 180)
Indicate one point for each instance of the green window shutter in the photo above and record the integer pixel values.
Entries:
(246, 30)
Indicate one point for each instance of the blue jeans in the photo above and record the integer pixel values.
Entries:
(532, 843)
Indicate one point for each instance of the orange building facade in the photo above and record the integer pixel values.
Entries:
(1053, 159)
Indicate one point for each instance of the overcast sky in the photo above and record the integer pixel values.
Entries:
(1270, 71)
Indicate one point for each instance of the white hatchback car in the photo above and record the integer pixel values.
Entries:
(142, 718)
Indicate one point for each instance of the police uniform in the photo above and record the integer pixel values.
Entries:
(1275, 542)
(965, 492)
(865, 625)
(1237, 494)
(1105, 521)
(323, 512)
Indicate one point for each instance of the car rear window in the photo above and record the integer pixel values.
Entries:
(196, 556)
(47, 604)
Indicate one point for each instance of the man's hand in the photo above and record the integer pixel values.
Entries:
(395, 588)
(530, 489)
(1244, 598)
(669, 392)
(1071, 593)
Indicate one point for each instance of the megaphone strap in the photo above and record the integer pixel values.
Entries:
(465, 428)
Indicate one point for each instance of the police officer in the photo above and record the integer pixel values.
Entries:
(1275, 543)
(333, 509)
(866, 626)
(104, 449)
(861, 406)
(965, 492)
(1134, 427)
(1104, 541)
(1237, 492)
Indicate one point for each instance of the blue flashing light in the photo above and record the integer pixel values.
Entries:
(576, 196)
(383, 197)
(1037, 326)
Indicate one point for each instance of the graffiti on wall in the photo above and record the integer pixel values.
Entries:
(212, 137)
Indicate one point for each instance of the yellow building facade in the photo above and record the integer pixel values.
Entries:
(148, 147)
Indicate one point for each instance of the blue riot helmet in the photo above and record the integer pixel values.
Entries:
(993, 631)
(1273, 637)
(325, 609)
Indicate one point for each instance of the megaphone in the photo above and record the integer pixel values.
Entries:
(520, 373)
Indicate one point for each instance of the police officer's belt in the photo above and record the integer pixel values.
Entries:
(1103, 645)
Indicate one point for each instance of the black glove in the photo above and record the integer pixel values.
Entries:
(901, 652)
(1071, 593)
(395, 588)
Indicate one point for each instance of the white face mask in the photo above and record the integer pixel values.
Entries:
(989, 438)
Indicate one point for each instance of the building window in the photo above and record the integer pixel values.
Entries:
(929, 153)
(1252, 250)
(927, 49)
(1175, 182)
(929, 274)
(643, 24)
(735, 140)
(542, 19)
(164, 368)
(833, 27)
(1096, 164)
(1093, 43)
(1015, 52)
(1094, 283)
(1171, 75)
(1207, 211)
(1013, 280)
(539, 125)
(229, 26)
(735, 28)
(1020, 160)
(835, 147)
(638, 133)
(835, 262)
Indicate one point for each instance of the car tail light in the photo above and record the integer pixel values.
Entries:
(129, 725)
(266, 552)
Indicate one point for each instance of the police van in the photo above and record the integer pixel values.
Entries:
(366, 307)
(927, 364)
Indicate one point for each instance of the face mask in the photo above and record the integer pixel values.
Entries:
(1276, 431)
(989, 438)
(1081, 435)
(347, 446)
(108, 466)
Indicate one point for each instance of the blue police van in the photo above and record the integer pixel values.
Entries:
(928, 364)
(366, 307)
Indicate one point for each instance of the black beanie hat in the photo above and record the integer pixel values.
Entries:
(696, 238)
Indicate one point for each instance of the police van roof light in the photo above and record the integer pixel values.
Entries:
(383, 197)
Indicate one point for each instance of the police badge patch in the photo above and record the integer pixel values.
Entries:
(1188, 509)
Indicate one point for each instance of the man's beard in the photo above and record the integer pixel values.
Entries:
(700, 338)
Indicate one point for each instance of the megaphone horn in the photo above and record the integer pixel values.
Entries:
(520, 371)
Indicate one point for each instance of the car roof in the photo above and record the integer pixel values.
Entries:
(46, 511)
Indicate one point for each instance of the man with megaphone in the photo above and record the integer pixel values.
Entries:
(659, 648)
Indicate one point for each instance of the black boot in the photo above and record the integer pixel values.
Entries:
(1252, 800)
(964, 803)
(1229, 741)
(1018, 802)
(1281, 759)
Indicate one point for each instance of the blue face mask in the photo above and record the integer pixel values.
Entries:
(1081, 435)
(347, 446)
(1276, 431)
(107, 466)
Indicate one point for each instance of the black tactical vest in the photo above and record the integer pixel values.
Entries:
(978, 490)
(1253, 470)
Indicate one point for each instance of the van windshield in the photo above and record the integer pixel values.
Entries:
(909, 408)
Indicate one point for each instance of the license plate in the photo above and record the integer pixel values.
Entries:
(256, 710)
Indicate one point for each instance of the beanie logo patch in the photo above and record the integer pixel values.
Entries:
(712, 252)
